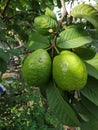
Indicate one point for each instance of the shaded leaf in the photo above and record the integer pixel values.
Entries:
(60, 107)
(91, 125)
(85, 53)
(3, 65)
(2, 25)
(90, 106)
(91, 90)
(59, 3)
(37, 41)
(88, 113)
(72, 37)
(4, 55)
(92, 109)
(86, 11)
(2, 35)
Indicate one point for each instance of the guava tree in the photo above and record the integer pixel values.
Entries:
(27, 26)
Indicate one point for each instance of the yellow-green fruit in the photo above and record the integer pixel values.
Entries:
(43, 24)
(69, 71)
(36, 69)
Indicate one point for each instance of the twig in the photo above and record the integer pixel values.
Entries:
(64, 12)
(19, 47)
(5, 8)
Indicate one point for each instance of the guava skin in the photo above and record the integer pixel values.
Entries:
(36, 69)
(69, 71)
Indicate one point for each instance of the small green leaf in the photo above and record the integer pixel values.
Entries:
(93, 61)
(92, 66)
(91, 90)
(86, 11)
(73, 37)
(60, 107)
(50, 13)
(92, 70)
(37, 41)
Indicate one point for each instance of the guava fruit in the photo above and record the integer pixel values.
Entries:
(69, 71)
(36, 68)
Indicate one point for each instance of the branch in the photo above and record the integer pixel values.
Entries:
(64, 12)
(5, 8)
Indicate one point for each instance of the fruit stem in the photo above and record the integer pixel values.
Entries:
(57, 50)
(53, 45)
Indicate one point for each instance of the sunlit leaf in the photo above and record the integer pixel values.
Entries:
(86, 11)
(50, 13)
(73, 37)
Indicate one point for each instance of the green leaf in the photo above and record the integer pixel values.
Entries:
(90, 106)
(92, 71)
(37, 41)
(60, 107)
(4, 55)
(92, 123)
(3, 66)
(91, 90)
(88, 113)
(50, 13)
(2, 25)
(14, 52)
(92, 66)
(86, 11)
(93, 61)
(59, 3)
(22, 2)
(72, 37)
(85, 53)
(2, 35)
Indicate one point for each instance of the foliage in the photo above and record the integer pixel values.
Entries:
(23, 108)
(76, 32)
